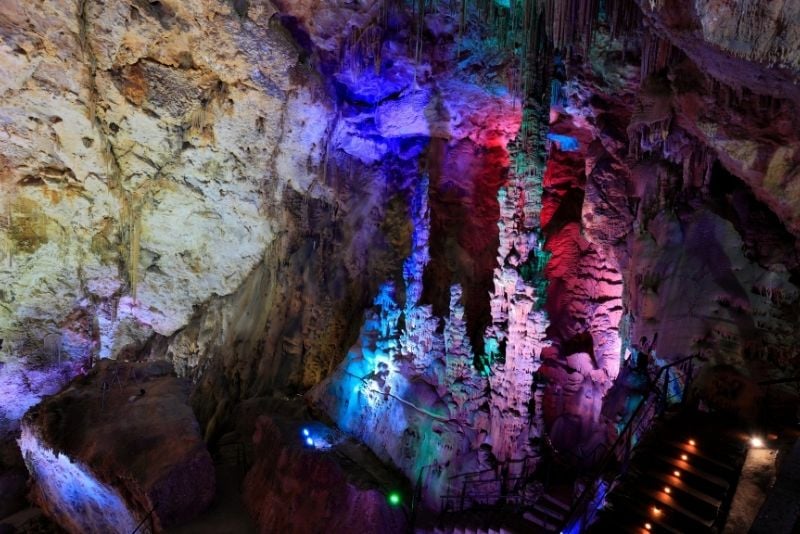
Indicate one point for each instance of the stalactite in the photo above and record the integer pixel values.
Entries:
(656, 53)
(623, 16)
(572, 22)
(419, 15)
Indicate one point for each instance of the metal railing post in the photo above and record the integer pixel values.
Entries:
(622, 449)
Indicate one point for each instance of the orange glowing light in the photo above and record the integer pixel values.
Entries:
(684, 457)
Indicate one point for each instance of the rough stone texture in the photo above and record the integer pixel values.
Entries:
(102, 455)
(176, 181)
(751, 72)
(130, 147)
(334, 486)
(231, 184)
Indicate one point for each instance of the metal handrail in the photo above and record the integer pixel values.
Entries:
(143, 521)
(507, 484)
(779, 381)
(579, 508)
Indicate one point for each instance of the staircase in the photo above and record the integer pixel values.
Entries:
(512, 496)
(464, 530)
(646, 495)
(548, 513)
(680, 480)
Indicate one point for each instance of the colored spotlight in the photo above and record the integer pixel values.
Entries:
(306, 433)
(309, 442)
(394, 498)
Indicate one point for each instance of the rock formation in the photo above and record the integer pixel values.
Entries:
(117, 448)
(452, 225)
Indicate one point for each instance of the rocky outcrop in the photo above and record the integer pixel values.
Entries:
(326, 482)
(118, 447)
(230, 185)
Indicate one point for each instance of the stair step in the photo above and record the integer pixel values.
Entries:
(688, 467)
(696, 482)
(556, 502)
(544, 523)
(550, 511)
(707, 452)
(669, 502)
(685, 486)
(625, 512)
(703, 461)
(609, 522)
(680, 485)
(669, 518)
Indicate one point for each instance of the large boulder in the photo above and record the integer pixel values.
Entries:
(114, 446)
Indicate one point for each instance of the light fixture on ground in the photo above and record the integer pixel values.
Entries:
(684, 457)
(648, 526)
(394, 498)
(667, 490)
(756, 442)
(677, 473)
(692, 442)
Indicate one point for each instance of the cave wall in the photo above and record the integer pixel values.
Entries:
(149, 148)
(232, 184)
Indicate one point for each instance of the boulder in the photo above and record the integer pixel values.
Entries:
(116, 445)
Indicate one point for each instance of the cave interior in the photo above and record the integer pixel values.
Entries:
(389, 266)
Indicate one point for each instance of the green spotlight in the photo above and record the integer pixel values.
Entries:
(394, 498)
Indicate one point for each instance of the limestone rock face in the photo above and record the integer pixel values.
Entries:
(162, 165)
(739, 88)
(115, 445)
(141, 144)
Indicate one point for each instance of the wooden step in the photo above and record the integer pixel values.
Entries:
(661, 479)
(669, 502)
(703, 460)
(677, 463)
(556, 502)
(682, 490)
(711, 452)
(541, 521)
(550, 511)
(617, 522)
(633, 513)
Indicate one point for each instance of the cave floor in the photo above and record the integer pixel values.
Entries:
(227, 513)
